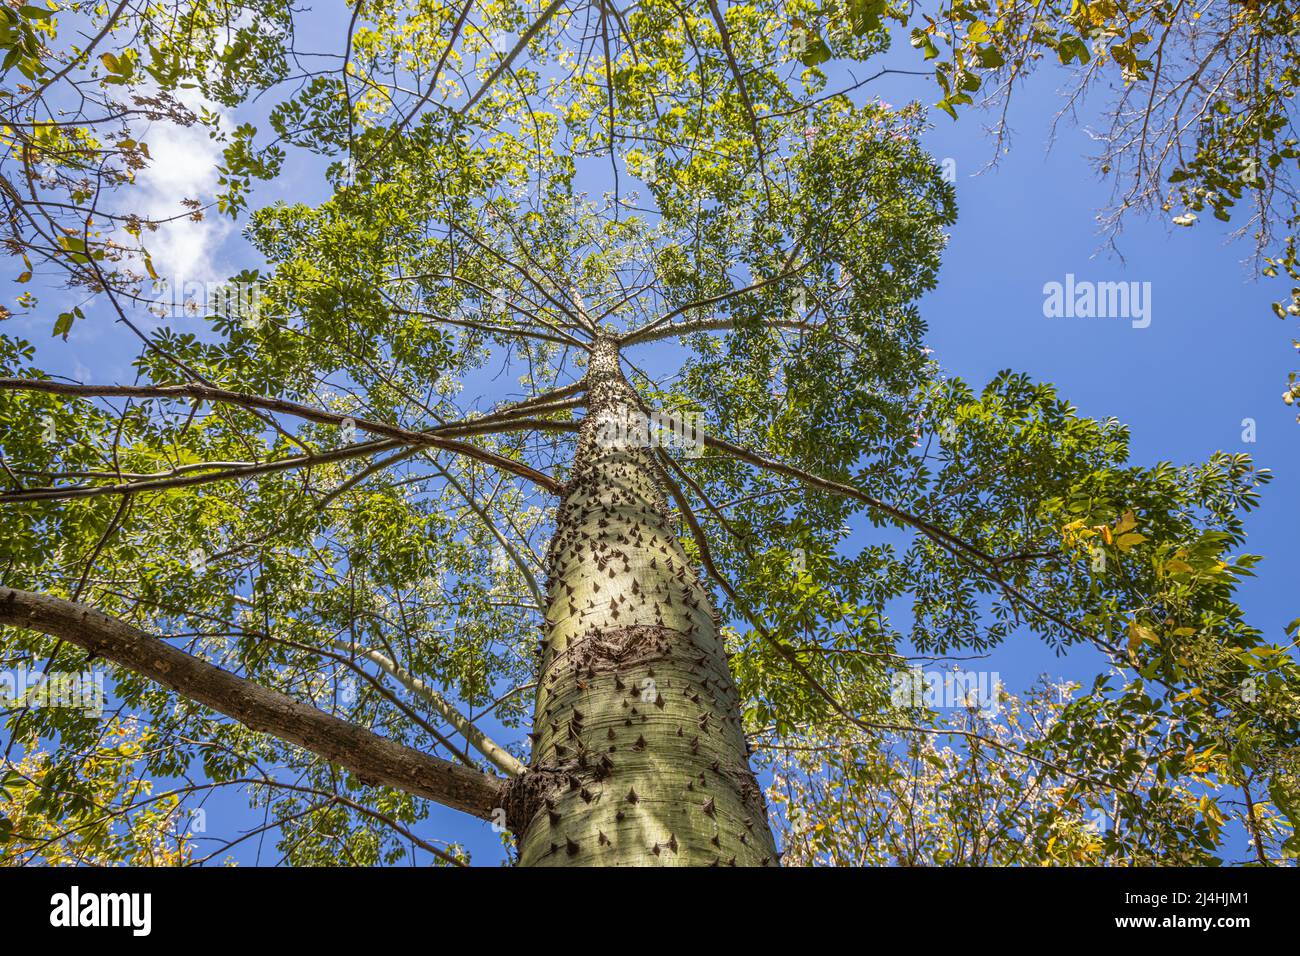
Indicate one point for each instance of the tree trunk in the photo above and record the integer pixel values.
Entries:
(639, 756)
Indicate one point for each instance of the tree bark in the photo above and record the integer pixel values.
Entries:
(639, 756)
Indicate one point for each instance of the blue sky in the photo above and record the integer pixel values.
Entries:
(1212, 355)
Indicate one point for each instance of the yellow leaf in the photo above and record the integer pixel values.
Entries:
(1126, 541)
(1137, 634)
(1127, 522)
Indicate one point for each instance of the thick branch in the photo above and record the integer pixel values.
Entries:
(374, 759)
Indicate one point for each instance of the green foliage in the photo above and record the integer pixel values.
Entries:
(779, 235)
(998, 786)
(70, 114)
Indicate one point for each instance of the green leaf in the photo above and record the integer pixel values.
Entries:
(1073, 48)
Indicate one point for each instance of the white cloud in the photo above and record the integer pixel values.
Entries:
(184, 167)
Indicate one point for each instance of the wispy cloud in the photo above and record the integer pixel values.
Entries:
(184, 167)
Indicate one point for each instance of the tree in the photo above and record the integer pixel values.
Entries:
(73, 108)
(966, 791)
(357, 607)
(32, 797)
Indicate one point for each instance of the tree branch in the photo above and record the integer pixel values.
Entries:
(511, 551)
(839, 488)
(648, 334)
(509, 58)
(377, 761)
(500, 758)
(644, 334)
(398, 436)
(790, 654)
(985, 564)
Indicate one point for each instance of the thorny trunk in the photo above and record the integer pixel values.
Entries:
(638, 752)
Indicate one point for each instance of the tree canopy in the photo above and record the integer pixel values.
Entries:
(337, 481)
